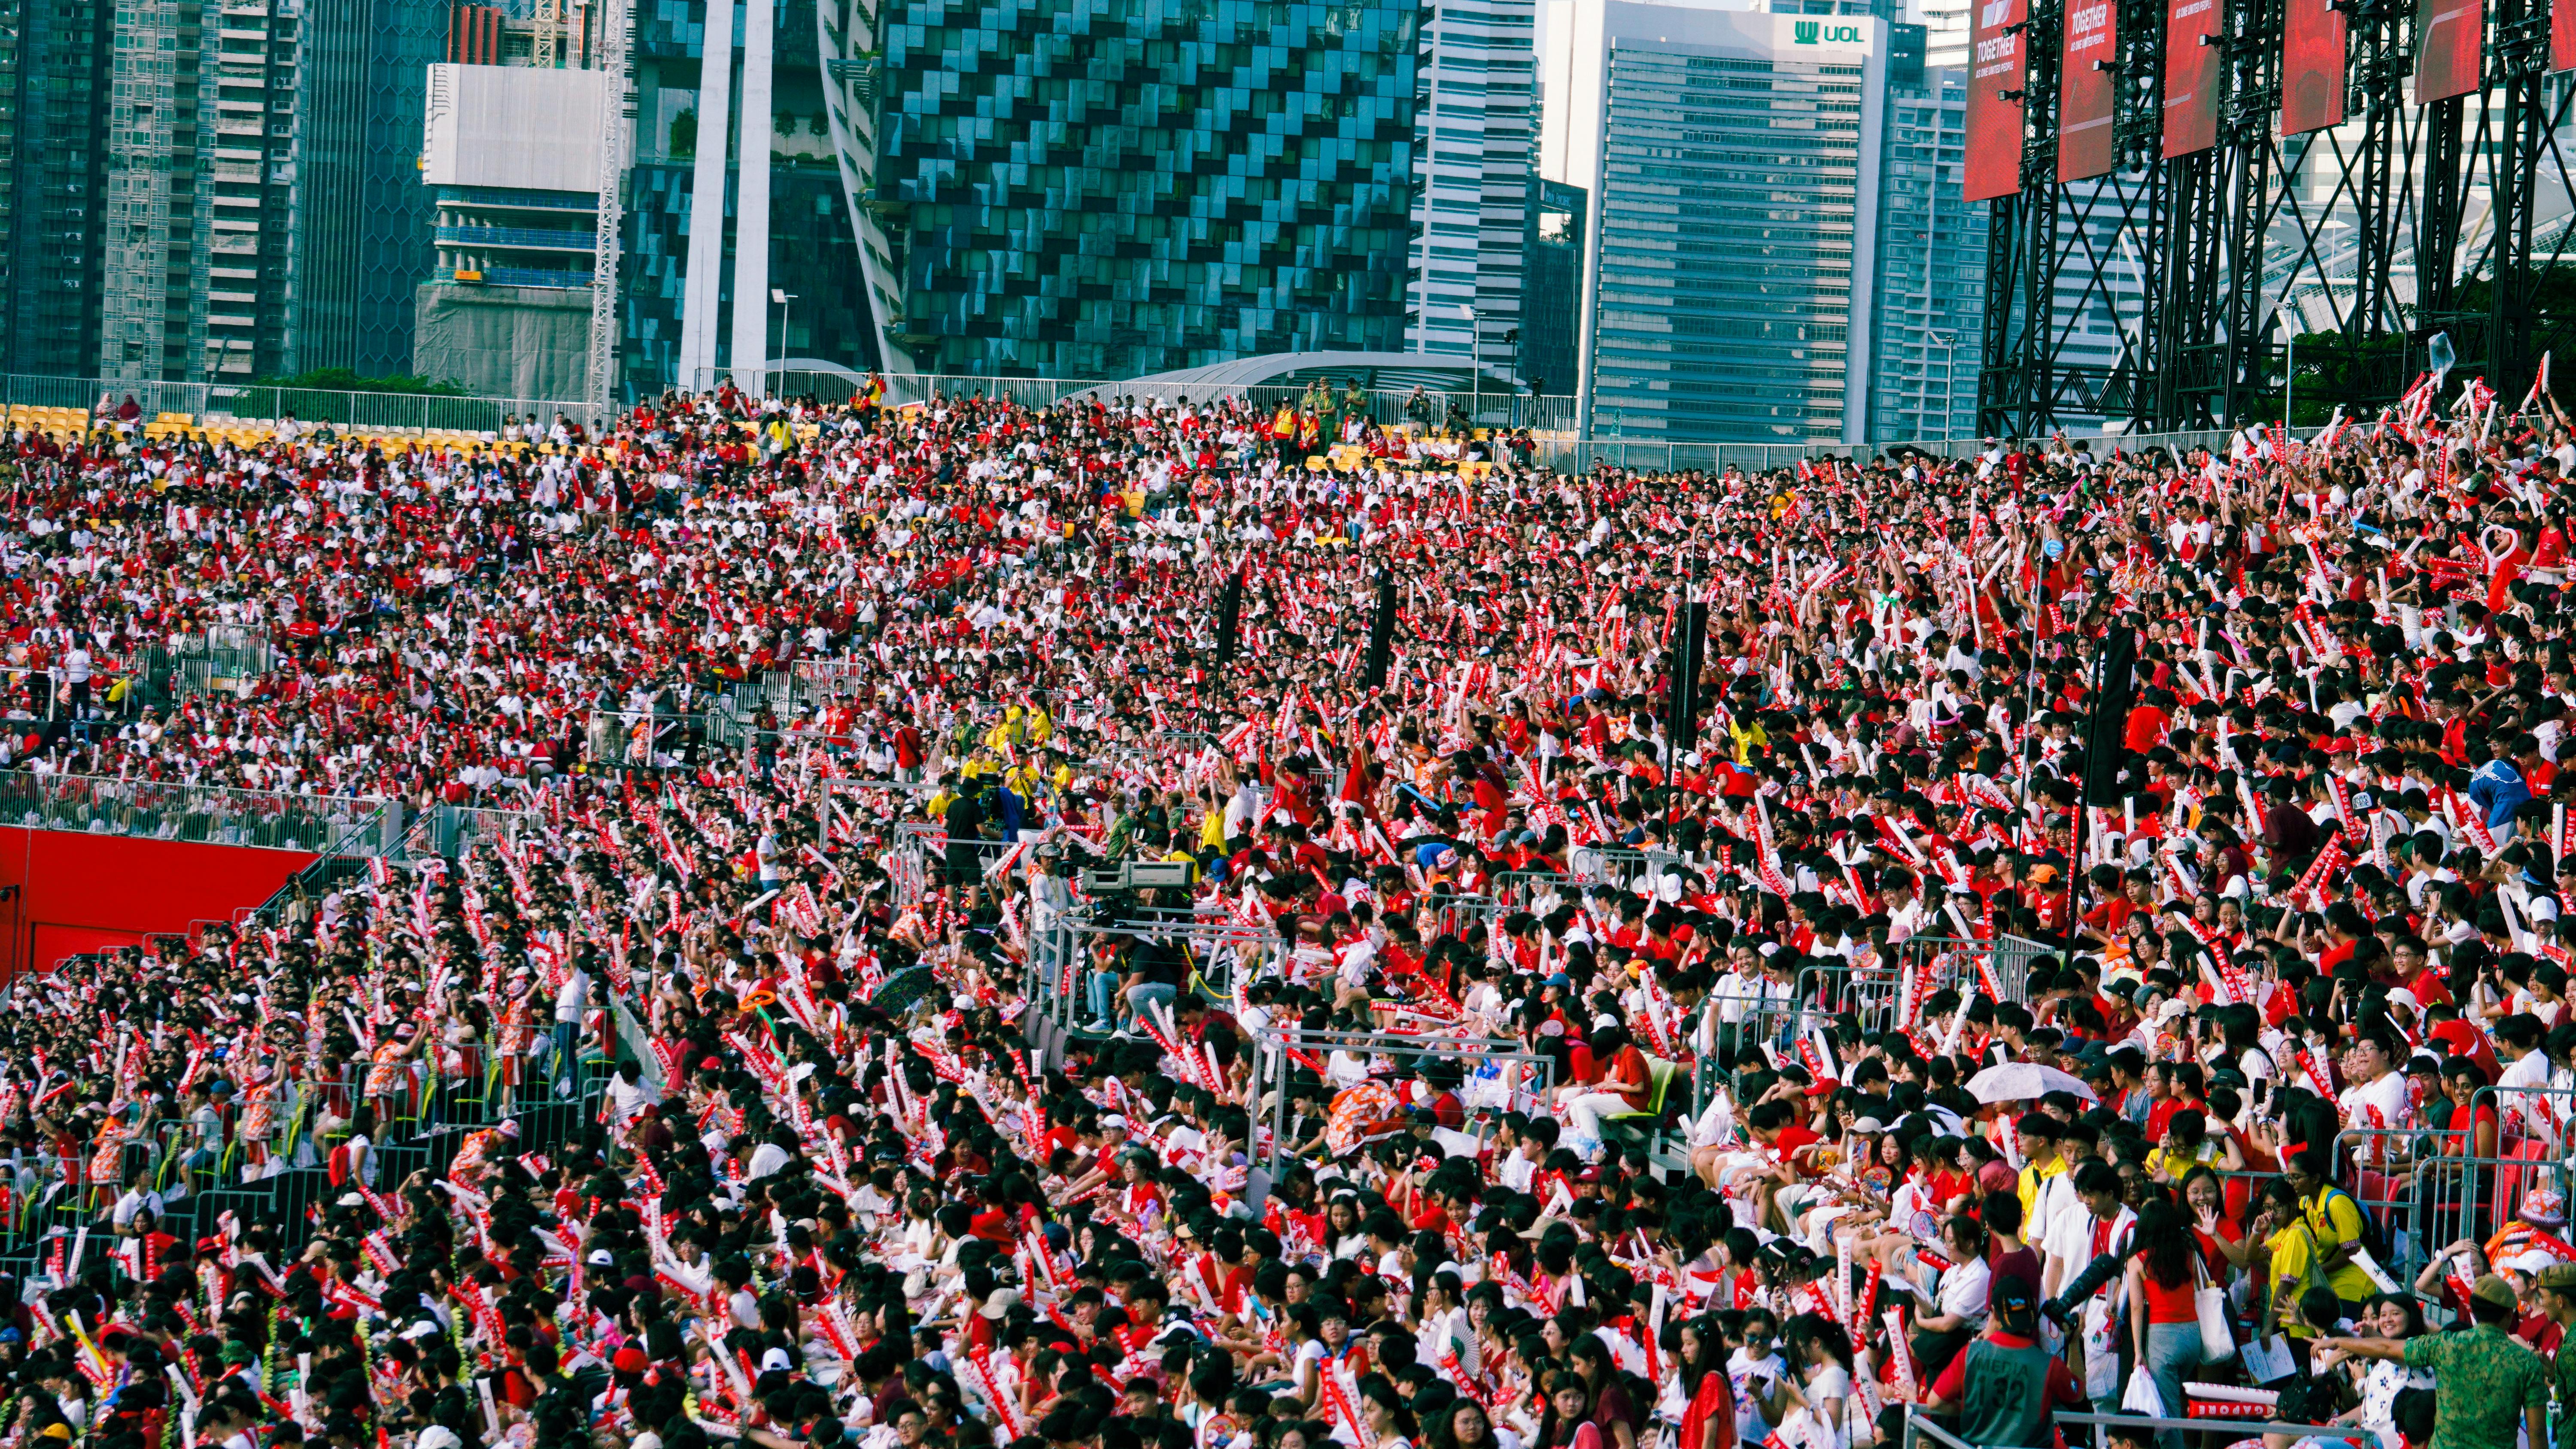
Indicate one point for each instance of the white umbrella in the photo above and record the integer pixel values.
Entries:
(2021, 1081)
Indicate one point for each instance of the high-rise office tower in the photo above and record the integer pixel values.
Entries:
(1552, 285)
(1733, 169)
(53, 182)
(362, 216)
(1945, 23)
(1474, 128)
(1076, 191)
(742, 246)
(211, 190)
(1931, 266)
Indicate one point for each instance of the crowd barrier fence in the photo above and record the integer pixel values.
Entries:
(210, 814)
(1518, 1079)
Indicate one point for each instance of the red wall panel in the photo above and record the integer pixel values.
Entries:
(2450, 42)
(78, 892)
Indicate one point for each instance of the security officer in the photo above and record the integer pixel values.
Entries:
(2486, 1383)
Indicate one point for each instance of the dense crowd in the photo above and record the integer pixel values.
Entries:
(1905, 1037)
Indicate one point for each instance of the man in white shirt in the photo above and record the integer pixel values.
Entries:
(2377, 1098)
(572, 1003)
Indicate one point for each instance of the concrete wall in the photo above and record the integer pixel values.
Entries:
(504, 341)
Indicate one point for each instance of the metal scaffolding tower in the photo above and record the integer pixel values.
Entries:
(2163, 295)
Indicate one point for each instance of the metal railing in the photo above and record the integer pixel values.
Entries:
(1572, 455)
(210, 814)
(1502, 1075)
(452, 831)
(1495, 406)
(1763, 1014)
(1920, 1429)
(424, 1112)
(634, 739)
(208, 404)
(1550, 419)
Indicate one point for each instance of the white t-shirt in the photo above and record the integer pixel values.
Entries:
(1742, 1371)
(2387, 1097)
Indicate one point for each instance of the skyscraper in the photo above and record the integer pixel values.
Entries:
(1474, 131)
(1733, 161)
(1084, 191)
(211, 189)
(737, 197)
(1931, 267)
(1552, 286)
(53, 183)
(362, 214)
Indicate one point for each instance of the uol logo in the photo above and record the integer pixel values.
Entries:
(1809, 32)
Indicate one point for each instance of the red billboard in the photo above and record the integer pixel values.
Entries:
(2085, 90)
(1997, 63)
(2449, 38)
(2312, 51)
(2562, 37)
(2191, 77)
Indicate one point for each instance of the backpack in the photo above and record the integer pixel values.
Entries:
(2374, 1241)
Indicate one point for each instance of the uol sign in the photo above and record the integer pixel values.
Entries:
(1812, 32)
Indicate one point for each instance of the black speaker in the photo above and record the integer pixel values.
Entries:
(1229, 616)
(1381, 635)
(2106, 731)
(1690, 643)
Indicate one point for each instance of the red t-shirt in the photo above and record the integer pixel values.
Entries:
(2464, 1040)
(1793, 1137)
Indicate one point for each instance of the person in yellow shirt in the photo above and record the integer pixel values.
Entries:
(1038, 727)
(2333, 1220)
(1211, 827)
(1749, 736)
(2040, 1162)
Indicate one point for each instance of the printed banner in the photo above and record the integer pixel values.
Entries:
(2086, 90)
(2191, 77)
(2312, 66)
(1997, 68)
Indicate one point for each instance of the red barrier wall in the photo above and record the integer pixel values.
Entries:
(68, 892)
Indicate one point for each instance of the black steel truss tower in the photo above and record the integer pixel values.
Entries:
(2155, 297)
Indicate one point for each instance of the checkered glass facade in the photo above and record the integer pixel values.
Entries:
(1109, 188)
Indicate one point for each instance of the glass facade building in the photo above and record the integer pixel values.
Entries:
(1473, 136)
(1730, 262)
(211, 189)
(363, 240)
(1552, 294)
(1108, 188)
(811, 248)
(55, 60)
(1931, 267)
